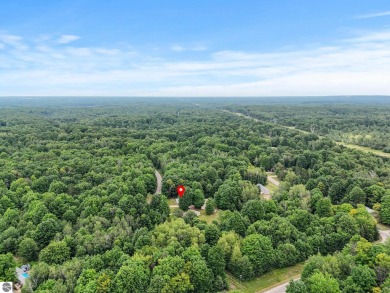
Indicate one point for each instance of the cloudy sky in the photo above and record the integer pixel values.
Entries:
(194, 47)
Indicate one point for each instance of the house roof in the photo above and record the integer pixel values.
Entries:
(263, 189)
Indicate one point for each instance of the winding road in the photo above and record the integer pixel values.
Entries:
(385, 234)
(159, 186)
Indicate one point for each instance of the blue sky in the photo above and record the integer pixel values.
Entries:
(195, 48)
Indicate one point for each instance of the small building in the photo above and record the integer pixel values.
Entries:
(263, 190)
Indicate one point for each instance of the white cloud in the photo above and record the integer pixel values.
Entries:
(10, 39)
(14, 41)
(301, 84)
(379, 36)
(356, 66)
(79, 51)
(372, 15)
(104, 51)
(66, 39)
(178, 48)
(44, 49)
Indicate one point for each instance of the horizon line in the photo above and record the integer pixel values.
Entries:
(181, 97)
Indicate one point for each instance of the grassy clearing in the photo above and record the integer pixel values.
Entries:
(272, 188)
(364, 149)
(172, 202)
(297, 129)
(268, 280)
(273, 175)
(208, 218)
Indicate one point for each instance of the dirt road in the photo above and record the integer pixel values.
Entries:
(159, 186)
(385, 234)
(279, 289)
(273, 181)
(159, 182)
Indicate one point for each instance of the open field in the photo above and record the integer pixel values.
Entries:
(268, 280)
(272, 188)
(272, 182)
(172, 202)
(364, 149)
(208, 218)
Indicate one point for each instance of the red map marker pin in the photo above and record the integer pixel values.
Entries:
(180, 190)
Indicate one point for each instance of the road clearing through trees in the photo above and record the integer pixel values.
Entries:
(350, 146)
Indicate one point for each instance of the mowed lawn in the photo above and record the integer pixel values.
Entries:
(172, 202)
(268, 280)
(271, 187)
(208, 218)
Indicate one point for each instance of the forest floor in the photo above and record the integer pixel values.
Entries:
(351, 146)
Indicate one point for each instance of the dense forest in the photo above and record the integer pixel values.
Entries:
(77, 197)
(359, 267)
(348, 123)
